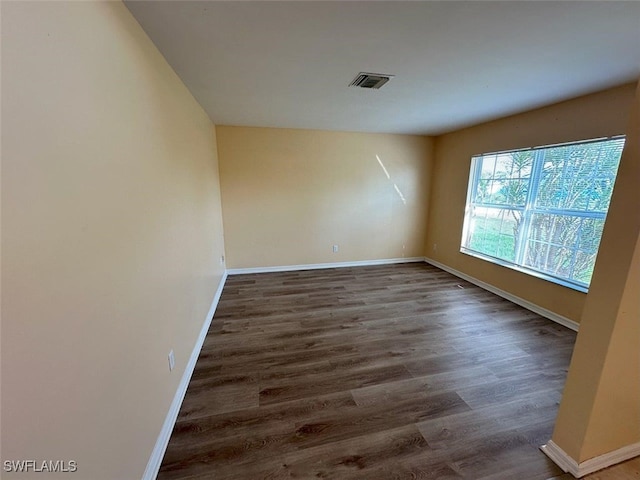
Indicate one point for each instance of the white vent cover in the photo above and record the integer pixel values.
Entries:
(370, 80)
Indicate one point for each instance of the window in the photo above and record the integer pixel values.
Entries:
(542, 210)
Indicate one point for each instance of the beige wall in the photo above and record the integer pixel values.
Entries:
(600, 409)
(111, 236)
(289, 195)
(598, 115)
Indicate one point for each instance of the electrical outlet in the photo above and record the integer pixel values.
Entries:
(221, 259)
(172, 360)
(435, 247)
(335, 249)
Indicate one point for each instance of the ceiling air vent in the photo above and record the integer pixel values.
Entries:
(370, 80)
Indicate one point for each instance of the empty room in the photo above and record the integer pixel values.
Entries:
(320, 239)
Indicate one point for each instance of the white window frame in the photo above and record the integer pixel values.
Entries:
(529, 209)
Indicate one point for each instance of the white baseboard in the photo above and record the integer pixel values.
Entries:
(579, 470)
(317, 266)
(564, 321)
(153, 466)
(560, 458)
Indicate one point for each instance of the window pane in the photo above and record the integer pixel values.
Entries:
(492, 231)
(588, 243)
(504, 179)
(591, 231)
(518, 164)
(488, 167)
(564, 246)
(579, 177)
(584, 270)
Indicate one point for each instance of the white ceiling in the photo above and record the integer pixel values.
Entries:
(457, 63)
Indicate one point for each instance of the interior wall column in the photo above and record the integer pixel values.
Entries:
(598, 422)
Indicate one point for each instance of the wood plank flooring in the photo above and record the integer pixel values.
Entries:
(383, 372)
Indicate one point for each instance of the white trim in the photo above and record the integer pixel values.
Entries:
(564, 321)
(315, 266)
(153, 466)
(560, 457)
(578, 470)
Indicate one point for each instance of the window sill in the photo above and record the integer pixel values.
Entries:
(526, 271)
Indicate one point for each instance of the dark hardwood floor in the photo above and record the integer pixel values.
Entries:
(385, 372)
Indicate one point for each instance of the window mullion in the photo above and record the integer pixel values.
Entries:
(525, 226)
